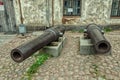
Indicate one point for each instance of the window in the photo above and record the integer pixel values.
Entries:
(72, 8)
(115, 11)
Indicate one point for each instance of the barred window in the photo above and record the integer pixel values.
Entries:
(115, 11)
(72, 7)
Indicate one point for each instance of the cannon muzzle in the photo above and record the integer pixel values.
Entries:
(24, 51)
(95, 33)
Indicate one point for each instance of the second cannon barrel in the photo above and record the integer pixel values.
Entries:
(101, 45)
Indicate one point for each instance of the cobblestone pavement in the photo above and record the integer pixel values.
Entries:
(70, 65)
(5, 38)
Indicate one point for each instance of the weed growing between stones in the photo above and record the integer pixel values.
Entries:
(79, 31)
(97, 72)
(106, 29)
(41, 58)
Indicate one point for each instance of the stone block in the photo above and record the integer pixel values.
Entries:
(86, 47)
(55, 48)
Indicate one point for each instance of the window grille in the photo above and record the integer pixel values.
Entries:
(72, 8)
(115, 11)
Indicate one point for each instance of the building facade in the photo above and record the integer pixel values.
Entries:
(7, 16)
(66, 12)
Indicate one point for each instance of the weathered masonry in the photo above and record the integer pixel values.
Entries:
(67, 12)
(7, 16)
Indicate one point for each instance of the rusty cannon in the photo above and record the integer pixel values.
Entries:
(96, 34)
(24, 51)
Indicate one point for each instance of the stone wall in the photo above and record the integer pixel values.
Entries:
(7, 16)
(2, 19)
(35, 11)
(10, 16)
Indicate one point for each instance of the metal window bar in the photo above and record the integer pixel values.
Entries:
(115, 11)
(78, 6)
(118, 9)
(75, 5)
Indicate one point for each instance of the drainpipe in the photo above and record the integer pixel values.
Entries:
(21, 16)
(53, 13)
(47, 13)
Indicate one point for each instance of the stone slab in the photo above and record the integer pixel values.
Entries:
(5, 38)
(86, 47)
(55, 48)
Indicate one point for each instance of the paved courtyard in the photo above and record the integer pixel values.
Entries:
(70, 65)
(5, 38)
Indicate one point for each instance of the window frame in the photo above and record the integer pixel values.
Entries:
(113, 9)
(73, 16)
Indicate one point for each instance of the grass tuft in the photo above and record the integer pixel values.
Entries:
(80, 31)
(41, 58)
(106, 29)
(97, 72)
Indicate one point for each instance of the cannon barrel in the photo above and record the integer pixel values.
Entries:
(24, 51)
(101, 45)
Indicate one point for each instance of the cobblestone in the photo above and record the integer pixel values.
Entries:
(70, 65)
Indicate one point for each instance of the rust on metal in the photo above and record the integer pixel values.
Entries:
(24, 51)
(101, 45)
